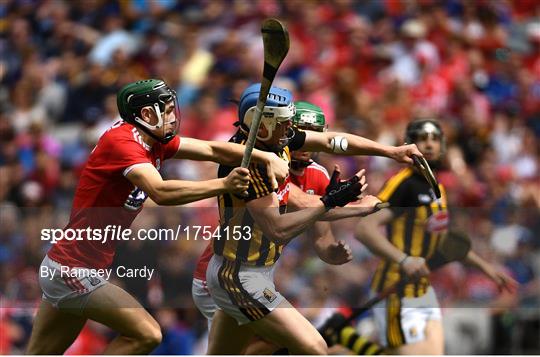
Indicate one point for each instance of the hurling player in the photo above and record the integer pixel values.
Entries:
(120, 174)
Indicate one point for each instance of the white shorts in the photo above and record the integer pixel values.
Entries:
(246, 293)
(403, 320)
(203, 300)
(67, 291)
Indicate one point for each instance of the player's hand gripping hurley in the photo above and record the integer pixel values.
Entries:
(453, 247)
(276, 45)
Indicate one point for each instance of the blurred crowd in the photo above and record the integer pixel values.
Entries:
(372, 65)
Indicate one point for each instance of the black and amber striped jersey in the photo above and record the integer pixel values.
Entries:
(418, 223)
(249, 245)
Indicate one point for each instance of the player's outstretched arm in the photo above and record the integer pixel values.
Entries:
(177, 192)
(231, 154)
(356, 145)
(368, 232)
(328, 249)
(366, 205)
(282, 227)
(503, 280)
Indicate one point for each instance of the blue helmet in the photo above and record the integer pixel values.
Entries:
(279, 107)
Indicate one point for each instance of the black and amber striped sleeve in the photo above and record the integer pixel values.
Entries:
(394, 191)
(259, 185)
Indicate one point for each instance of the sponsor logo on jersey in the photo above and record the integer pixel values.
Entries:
(437, 222)
(282, 192)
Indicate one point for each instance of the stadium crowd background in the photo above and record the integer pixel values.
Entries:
(371, 65)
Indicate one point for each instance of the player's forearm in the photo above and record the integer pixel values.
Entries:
(342, 213)
(289, 225)
(370, 235)
(300, 200)
(323, 253)
(178, 192)
(321, 236)
(357, 145)
(476, 261)
(321, 244)
(231, 154)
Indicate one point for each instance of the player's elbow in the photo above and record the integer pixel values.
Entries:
(159, 200)
(276, 235)
(159, 195)
(362, 229)
(322, 254)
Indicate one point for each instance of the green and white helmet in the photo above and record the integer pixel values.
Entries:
(154, 93)
(309, 116)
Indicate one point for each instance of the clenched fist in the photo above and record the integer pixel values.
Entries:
(238, 180)
(414, 267)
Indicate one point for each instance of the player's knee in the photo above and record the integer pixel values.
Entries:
(435, 337)
(434, 346)
(317, 347)
(149, 338)
(33, 349)
(153, 337)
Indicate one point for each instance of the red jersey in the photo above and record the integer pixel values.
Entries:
(104, 197)
(313, 181)
(202, 263)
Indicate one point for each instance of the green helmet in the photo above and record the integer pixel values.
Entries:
(137, 95)
(309, 116)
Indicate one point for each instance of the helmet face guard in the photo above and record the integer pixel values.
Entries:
(151, 93)
(421, 129)
(279, 108)
(271, 116)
